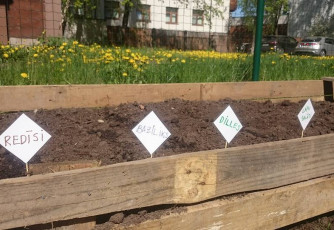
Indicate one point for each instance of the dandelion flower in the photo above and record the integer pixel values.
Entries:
(183, 61)
(24, 75)
(75, 43)
(273, 62)
(35, 55)
(125, 74)
(5, 55)
(128, 50)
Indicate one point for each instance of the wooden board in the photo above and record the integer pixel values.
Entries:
(87, 223)
(273, 90)
(185, 178)
(44, 168)
(260, 210)
(20, 98)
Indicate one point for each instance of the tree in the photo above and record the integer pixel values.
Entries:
(272, 11)
(323, 26)
(72, 8)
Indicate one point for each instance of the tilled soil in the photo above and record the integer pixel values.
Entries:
(104, 134)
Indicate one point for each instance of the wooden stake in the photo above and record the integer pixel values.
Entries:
(27, 168)
(302, 133)
(226, 145)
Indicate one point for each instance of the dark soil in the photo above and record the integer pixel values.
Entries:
(105, 133)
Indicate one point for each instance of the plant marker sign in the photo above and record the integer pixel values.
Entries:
(24, 138)
(306, 114)
(151, 132)
(228, 124)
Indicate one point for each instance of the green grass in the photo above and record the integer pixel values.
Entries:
(73, 63)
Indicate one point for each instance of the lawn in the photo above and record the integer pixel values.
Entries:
(74, 63)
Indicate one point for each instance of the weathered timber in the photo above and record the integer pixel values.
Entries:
(269, 209)
(87, 223)
(185, 178)
(52, 167)
(19, 98)
(328, 88)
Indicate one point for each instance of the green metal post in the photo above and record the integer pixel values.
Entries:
(258, 39)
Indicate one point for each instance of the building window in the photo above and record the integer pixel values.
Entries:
(111, 9)
(143, 13)
(171, 15)
(198, 17)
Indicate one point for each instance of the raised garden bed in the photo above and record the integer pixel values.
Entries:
(268, 153)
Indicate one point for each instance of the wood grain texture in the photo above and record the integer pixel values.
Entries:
(20, 98)
(274, 90)
(185, 178)
(52, 167)
(270, 209)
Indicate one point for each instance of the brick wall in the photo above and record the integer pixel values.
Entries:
(28, 19)
(53, 17)
(25, 20)
(3, 23)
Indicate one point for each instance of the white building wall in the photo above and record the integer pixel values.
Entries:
(158, 18)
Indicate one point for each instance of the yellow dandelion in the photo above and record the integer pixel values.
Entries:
(169, 55)
(52, 56)
(35, 55)
(5, 55)
(128, 50)
(183, 61)
(64, 44)
(75, 43)
(273, 62)
(125, 74)
(24, 75)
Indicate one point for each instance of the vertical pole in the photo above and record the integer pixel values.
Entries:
(7, 21)
(258, 38)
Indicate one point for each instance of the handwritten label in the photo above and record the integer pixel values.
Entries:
(228, 124)
(24, 138)
(151, 132)
(306, 114)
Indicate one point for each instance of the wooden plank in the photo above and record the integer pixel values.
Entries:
(293, 90)
(260, 210)
(328, 88)
(43, 168)
(17, 98)
(184, 178)
(20, 98)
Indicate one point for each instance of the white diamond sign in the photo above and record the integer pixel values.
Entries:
(151, 132)
(228, 124)
(306, 114)
(24, 138)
